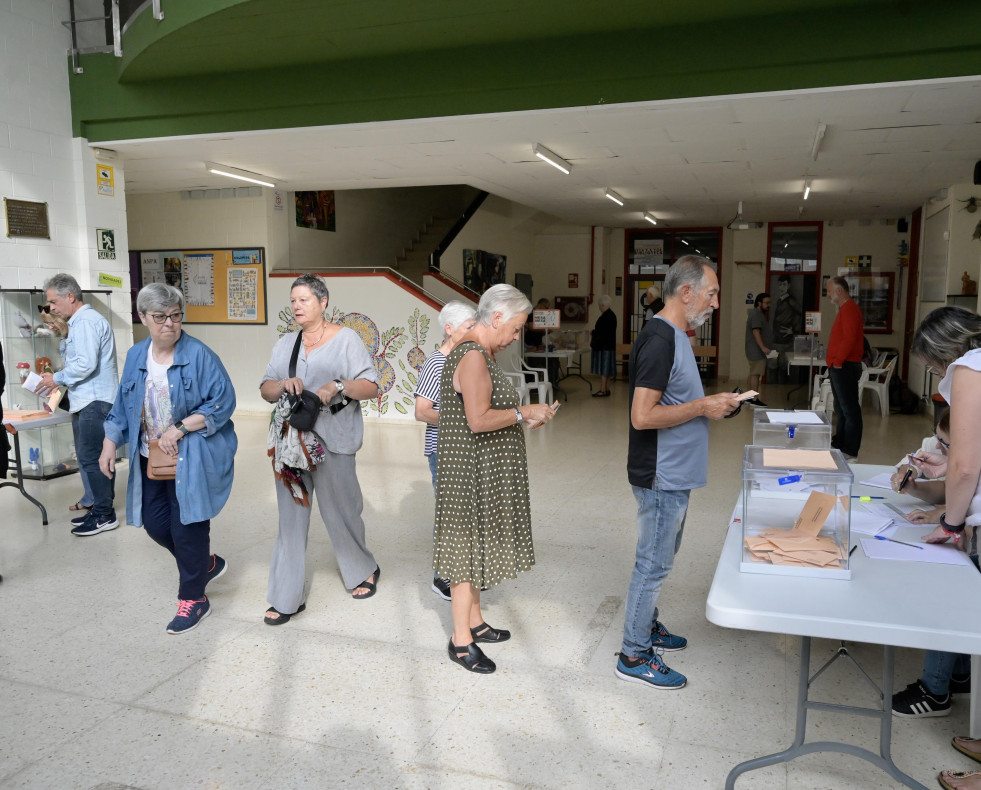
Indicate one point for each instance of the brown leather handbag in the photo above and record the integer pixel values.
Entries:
(159, 465)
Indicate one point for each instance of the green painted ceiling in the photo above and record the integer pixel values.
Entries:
(231, 65)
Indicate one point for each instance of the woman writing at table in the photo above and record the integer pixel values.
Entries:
(948, 342)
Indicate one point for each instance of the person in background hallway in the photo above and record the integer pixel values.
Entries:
(844, 359)
(759, 343)
(456, 318)
(483, 512)
(948, 342)
(603, 345)
(89, 373)
(667, 457)
(175, 391)
(333, 363)
(653, 304)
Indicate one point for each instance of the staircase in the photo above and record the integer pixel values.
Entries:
(412, 261)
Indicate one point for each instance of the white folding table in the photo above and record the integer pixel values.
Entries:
(13, 427)
(890, 603)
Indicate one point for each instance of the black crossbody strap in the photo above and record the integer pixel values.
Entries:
(296, 353)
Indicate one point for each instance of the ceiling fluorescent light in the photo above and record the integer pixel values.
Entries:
(614, 197)
(552, 158)
(818, 139)
(807, 189)
(650, 218)
(241, 175)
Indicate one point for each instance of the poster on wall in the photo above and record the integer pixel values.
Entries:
(648, 257)
(173, 269)
(199, 279)
(316, 210)
(483, 269)
(243, 293)
(152, 268)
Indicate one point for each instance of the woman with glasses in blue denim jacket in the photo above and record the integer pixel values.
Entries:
(174, 390)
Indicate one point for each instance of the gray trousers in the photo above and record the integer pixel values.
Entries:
(334, 485)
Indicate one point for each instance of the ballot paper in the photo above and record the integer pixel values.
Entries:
(774, 457)
(942, 553)
(883, 480)
(801, 546)
(31, 384)
(793, 418)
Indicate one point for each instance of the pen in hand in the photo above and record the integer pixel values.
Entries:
(901, 543)
(908, 475)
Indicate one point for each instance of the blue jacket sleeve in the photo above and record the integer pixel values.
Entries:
(218, 394)
(82, 362)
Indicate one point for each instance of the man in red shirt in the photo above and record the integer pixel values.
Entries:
(844, 358)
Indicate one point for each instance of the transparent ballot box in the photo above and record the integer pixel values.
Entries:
(796, 518)
(803, 429)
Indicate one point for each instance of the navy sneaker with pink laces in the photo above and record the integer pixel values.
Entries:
(189, 614)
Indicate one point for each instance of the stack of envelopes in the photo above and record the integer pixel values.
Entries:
(801, 545)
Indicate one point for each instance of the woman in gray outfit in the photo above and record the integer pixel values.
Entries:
(332, 362)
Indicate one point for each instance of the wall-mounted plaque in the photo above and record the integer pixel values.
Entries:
(26, 219)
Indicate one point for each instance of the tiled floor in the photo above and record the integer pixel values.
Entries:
(94, 693)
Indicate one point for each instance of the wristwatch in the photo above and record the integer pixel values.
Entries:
(179, 425)
(519, 415)
(340, 386)
(950, 529)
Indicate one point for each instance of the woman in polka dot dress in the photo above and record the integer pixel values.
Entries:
(483, 516)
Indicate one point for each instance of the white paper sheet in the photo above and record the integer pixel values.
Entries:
(882, 480)
(941, 553)
(793, 418)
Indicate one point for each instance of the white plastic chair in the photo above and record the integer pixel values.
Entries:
(877, 380)
(823, 398)
(522, 387)
(532, 379)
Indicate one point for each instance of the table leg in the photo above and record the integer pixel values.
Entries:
(19, 485)
(975, 719)
(883, 760)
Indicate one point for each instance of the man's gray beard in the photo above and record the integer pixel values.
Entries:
(695, 321)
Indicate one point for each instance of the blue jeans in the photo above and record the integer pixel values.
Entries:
(844, 386)
(432, 469)
(88, 425)
(189, 543)
(660, 525)
(938, 668)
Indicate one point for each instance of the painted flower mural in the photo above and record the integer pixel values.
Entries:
(385, 350)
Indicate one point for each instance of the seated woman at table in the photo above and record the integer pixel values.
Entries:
(945, 675)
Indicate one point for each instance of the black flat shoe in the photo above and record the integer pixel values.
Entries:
(484, 633)
(283, 618)
(473, 661)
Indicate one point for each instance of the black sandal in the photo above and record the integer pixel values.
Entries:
(283, 618)
(474, 659)
(484, 633)
(372, 586)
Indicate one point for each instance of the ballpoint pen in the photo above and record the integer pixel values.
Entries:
(893, 540)
(864, 497)
(909, 473)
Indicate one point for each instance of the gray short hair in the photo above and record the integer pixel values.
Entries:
(604, 301)
(842, 283)
(314, 283)
(158, 296)
(946, 334)
(504, 299)
(687, 270)
(455, 313)
(63, 284)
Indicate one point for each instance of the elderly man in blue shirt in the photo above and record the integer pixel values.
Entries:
(90, 375)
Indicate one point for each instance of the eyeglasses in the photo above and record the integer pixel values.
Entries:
(945, 445)
(160, 318)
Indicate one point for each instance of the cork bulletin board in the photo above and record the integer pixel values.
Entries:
(220, 286)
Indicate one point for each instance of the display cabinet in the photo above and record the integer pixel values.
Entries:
(29, 345)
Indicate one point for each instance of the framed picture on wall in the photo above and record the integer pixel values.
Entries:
(873, 292)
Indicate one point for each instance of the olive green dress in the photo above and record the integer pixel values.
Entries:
(483, 513)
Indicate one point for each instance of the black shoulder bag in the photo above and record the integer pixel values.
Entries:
(305, 407)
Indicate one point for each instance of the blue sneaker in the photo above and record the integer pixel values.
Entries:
(93, 524)
(189, 614)
(653, 672)
(218, 568)
(663, 639)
